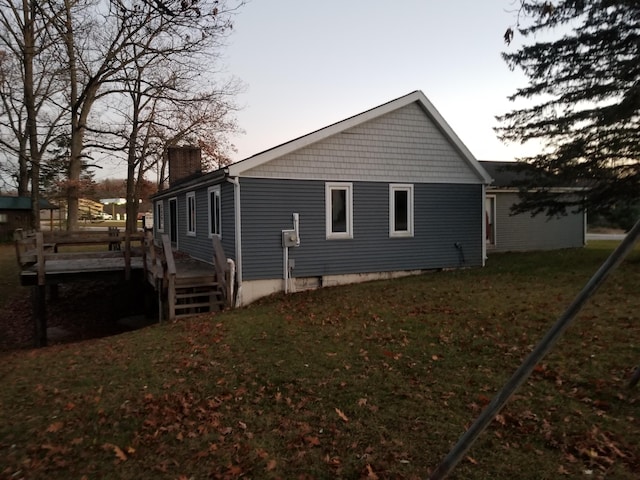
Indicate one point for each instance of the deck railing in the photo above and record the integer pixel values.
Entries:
(37, 247)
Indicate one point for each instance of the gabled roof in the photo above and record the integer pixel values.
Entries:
(23, 203)
(237, 169)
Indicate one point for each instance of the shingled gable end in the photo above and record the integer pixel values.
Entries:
(390, 191)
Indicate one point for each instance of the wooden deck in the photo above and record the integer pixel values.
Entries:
(184, 286)
(78, 267)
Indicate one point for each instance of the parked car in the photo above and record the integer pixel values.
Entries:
(103, 216)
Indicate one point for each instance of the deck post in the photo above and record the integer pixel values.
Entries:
(127, 255)
(38, 299)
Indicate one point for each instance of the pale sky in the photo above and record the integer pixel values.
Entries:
(307, 64)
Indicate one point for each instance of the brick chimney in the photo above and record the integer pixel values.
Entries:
(184, 162)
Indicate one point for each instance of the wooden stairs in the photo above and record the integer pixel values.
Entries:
(194, 295)
(186, 286)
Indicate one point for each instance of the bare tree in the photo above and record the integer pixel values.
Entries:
(162, 95)
(109, 50)
(29, 86)
(142, 57)
(205, 120)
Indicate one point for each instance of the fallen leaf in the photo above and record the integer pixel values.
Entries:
(234, 470)
(271, 465)
(313, 441)
(55, 427)
(342, 415)
(370, 473)
(119, 453)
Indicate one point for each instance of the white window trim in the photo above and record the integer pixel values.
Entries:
(348, 187)
(495, 229)
(191, 232)
(159, 212)
(406, 187)
(215, 189)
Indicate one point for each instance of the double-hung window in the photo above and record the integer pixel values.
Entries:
(191, 213)
(400, 210)
(339, 210)
(215, 211)
(159, 218)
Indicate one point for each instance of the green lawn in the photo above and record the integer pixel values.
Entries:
(375, 380)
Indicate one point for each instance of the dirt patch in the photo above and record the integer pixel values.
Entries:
(84, 310)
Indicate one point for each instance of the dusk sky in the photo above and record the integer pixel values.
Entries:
(308, 64)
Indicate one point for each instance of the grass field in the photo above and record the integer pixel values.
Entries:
(375, 380)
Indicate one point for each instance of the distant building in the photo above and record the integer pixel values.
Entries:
(15, 212)
(523, 232)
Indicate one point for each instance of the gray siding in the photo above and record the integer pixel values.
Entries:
(405, 145)
(523, 232)
(444, 215)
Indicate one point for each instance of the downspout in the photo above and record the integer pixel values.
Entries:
(238, 222)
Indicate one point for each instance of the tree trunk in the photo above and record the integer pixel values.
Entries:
(23, 167)
(28, 9)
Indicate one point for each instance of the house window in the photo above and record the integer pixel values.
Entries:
(400, 210)
(159, 220)
(215, 211)
(339, 210)
(191, 213)
(4, 218)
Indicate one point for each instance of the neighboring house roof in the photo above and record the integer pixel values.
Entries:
(23, 203)
(417, 97)
(502, 175)
(505, 176)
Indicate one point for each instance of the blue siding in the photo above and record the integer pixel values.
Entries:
(200, 246)
(444, 215)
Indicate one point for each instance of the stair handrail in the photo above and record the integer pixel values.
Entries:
(222, 268)
(170, 275)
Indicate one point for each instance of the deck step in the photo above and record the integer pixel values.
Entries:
(196, 286)
(185, 306)
(182, 281)
(182, 296)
